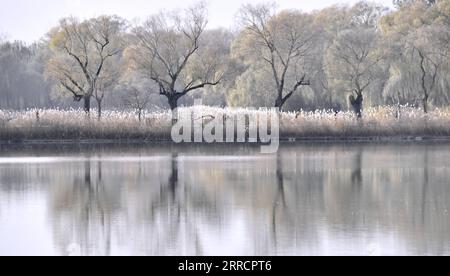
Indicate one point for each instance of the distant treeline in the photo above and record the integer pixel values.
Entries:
(338, 58)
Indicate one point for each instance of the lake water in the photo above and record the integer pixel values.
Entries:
(309, 199)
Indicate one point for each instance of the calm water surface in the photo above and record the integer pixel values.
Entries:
(310, 199)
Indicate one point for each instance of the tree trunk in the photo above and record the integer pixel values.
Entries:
(279, 103)
(99, 109)
(424, 85)
(173, 103)
(357, 104)
(140, 114)
(399, 106)
(425, 104)
(87, 104)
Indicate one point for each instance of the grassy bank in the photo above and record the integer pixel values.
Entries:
(378, 123)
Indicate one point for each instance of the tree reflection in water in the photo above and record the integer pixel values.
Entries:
(279, 202)
(357, 177)
(320, 199)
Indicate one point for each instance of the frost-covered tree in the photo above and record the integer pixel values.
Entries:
(169, 49)
(355, 58)
(83, 52)
(281, 42)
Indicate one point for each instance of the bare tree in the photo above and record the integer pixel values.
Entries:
(428, 46)
(105, 84)
(136, 99)
(282, 41)
(367, 14)
(402, 3)
(167, 50)
(419, 30)
(428, 76)
(81, 51)
(354, 59)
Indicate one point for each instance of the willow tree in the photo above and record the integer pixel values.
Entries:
(169, 50)
(281, 42)
(354, 60)
(82, 51)
(419, 30)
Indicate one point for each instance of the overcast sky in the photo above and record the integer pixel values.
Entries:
(29, 20)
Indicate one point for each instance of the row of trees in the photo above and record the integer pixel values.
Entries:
(21, 77)
(363, 55)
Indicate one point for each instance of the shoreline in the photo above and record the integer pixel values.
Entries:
(323, 139)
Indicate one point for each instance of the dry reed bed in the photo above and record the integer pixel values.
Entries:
(381, 122)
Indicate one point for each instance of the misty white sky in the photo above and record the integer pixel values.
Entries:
(29, 20)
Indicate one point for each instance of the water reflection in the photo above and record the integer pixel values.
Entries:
(357, 178)
(309, 199)
(279, 203)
